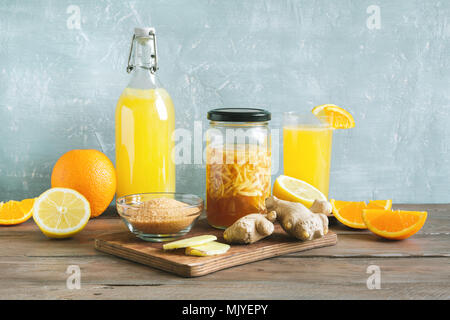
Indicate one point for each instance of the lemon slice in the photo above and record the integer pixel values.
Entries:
(61, 212)
(291, 189)
(337, 117)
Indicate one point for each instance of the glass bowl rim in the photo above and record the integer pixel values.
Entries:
(198, 203)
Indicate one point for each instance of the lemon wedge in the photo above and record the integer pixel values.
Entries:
(291, 189)
(337, 117)
(61, 212)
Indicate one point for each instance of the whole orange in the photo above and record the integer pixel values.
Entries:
(89, 172)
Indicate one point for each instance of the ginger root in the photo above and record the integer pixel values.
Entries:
(250, 228)
(322, 206)
(297, 220)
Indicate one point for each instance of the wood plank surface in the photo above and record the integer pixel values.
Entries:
(34, 267)
(106, 277)
(128, 246)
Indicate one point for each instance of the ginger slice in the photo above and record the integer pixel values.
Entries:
(207, 249)
(189, 242)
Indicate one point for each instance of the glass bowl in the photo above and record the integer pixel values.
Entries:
(159, 216)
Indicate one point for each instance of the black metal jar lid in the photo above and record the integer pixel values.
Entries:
(239, 115)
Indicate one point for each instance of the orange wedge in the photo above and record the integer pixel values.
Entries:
(380, 204)
(337, 117)
(15, 212)
(394, 225)
(349, 213)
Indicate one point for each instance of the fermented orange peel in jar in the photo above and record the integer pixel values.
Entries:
(237, 183)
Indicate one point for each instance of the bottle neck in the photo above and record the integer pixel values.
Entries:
(144, 64)
(144, 53)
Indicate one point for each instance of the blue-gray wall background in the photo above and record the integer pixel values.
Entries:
(59, 85)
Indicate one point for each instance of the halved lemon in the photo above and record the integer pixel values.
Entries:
(291, 189)
(61, 212)
(337, 117)
(15, 212)
(394, 225)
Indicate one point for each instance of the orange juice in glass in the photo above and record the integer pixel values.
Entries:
(307, 149)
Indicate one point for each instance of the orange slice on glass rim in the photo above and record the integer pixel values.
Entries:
(337, 117)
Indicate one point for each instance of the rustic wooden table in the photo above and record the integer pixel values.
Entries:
(34, 267)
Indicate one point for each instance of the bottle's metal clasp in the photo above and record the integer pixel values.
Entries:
(130, 67)
(154, 54)
(155, 66)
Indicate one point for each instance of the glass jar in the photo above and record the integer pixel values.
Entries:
(238, 164)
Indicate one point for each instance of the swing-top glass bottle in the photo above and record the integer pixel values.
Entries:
(145, 121)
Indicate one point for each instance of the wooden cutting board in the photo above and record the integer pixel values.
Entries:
(128, 246)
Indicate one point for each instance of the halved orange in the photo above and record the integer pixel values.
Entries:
(394, 225)
(337, 117)
(349, 213)
(15, 212)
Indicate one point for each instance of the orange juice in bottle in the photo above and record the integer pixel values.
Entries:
(145, 121)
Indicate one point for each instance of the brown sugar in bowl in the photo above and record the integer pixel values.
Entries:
(159, 216)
